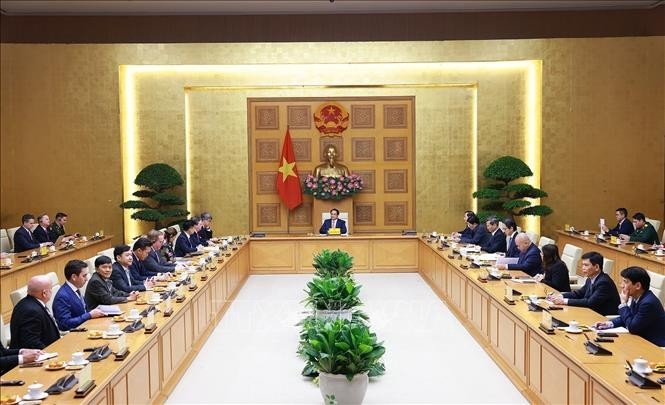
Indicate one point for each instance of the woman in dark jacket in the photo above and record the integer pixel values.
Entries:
(167, 248)
(554, 269)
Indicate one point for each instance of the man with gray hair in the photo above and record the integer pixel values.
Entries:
(205, 233)
(32, 324)
(529, 260)
(497, 240)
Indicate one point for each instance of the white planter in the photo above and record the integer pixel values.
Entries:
(332, 315)
(346, 392)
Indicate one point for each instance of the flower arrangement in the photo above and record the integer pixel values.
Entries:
(332, 188)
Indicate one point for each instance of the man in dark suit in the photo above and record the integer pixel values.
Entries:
(69, 308)
(196, 238)
(121, 276)
(154, 261)
(529, 260)
(640, 310)
(466, 232)
(41, 233)
(497, 239)
(100, 290)
(479, 235)
(23, 239)
(333, 222)
(599, 292)
(32, 324)
(10, 358)
(205, 233)
(140, 251)
(184, 243)
(624, 225)
(511, 233)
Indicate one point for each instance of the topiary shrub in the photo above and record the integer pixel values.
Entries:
(156, 179)
(504, 198)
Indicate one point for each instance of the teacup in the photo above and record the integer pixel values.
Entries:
(435, 234)
(51, 248)
(640, 246)
(133, 313)
(77, 358)
(154, 297)
(114, 329)
(171, 286)
(36, 390)
(533, 298)
(640, 365)
(574, 326)
(84, 238)
(660, 252)
(586, 233)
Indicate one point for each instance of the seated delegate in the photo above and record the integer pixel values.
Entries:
(69, 307)
(529, 260)
(479, 235)
(333, 222)
(497, 240)
(644, 231)
(555, 271)
(623, 227)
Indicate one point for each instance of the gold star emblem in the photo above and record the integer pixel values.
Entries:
(286, 169)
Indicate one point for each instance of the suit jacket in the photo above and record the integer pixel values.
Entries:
(31, 325)
(479, 236)
(601, 296)
(496, 242)
(556, 276)
(512, 250)
(23, 240)
(466, 232)
(120, 281)
(41, 235)
(101, 292)
(139, 271)
(529, 262)
(327, 224)
(184, 245)
(55, 231)
(622, 228)
(8, 359)
(205, 234)
(154, 263)
(645, 318)
(196, 240)
(68, 308)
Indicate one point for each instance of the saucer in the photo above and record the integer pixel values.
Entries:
(573, 331)
(647, 371)
(656, 254)
(41, 396)
(107, 335)
(83, 363)
(153, 302)
(133, 318)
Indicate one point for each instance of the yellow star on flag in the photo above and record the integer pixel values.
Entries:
(286, 169)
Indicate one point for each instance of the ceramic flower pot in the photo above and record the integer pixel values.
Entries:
(333, 315)
(345, 392)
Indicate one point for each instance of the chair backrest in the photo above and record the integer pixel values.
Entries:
(5, 244)
(571, 255)
(342, 215)
(54, 291)
(10, 235)
(544, 240)
(18, 295)
(657, 285)
(608, 266)
(4, 333)
(107, 252)
(91, 263)
(654, 222)
(176, 227)
(533, 236)
(54, 278)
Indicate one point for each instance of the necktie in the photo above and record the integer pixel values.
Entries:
(78, 292)
(48, 311)
(129, 279)
(334, 222)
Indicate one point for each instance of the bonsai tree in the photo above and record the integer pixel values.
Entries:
(157, 179)
(506, 198)
(332, 263)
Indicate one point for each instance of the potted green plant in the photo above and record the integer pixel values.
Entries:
(343, 352)
(157, 181)
(332, 297)
(334, 263)
(506, 198)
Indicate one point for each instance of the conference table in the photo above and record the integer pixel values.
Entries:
(545, 368)
(19, 273)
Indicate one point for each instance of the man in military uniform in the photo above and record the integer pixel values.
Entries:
(57, 227)
(644, 231)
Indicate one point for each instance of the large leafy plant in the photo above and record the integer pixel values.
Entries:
(505, 198)
(342, 347)
(157, 181)
(332, 293)
(332, 263)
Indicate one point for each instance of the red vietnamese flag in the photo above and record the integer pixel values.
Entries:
(288, 182)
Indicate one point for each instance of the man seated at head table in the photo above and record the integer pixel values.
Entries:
(555, 272)
(23, 239)
(511, 233)
(599, 292)
(32, 324)
(140, 252)
(100, 289)
(121, 275)
(41, 234)
(466, 232)
(644, 231)
(10, 358)
(333, 222)
(624, 225)
(69, 307)
(185, 244)
(640, 311)
(154, 262)
(479, 235)
(497, 240)
(529, 260)
(57, 228)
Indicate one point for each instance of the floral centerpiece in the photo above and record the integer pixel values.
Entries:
(332, 188)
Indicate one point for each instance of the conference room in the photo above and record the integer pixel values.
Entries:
(215, 169)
